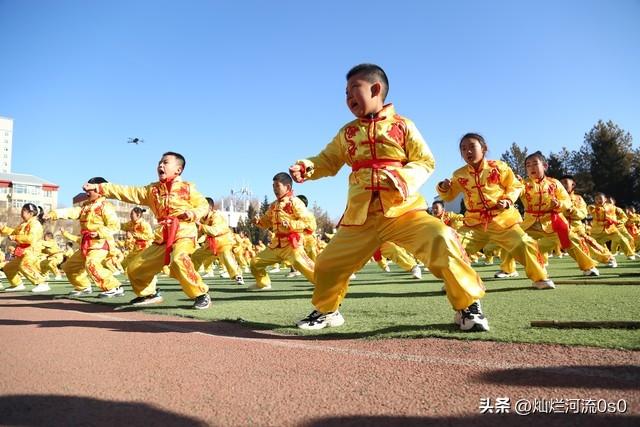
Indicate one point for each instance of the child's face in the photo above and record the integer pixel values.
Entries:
(472, 151)
(279, 189)
(25, 214)
(168, 168)
(536, 168)
(363, 97)
(600, 199)
(568, 184)
(134, 216)
(437, 209)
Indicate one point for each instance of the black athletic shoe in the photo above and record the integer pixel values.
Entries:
(149, 299)
(202, 302)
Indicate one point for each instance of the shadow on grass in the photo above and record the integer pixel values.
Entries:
(51, 410)
(585, 377)
(482, 420)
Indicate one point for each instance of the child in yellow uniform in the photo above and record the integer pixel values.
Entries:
(389, 162)
(490, 189)
(98, 223)
(633, 225)
(545, 199)
(575, 215)
(604, 225)
(28, 238)
(177, 205)
(218, 243)
(54, 256)
(140, 233)
(621, 217)
(400, 257)
(288, 217)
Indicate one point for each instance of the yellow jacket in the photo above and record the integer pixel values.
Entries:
(50, 247)
(141, 233)
(215, 225)
(538, 198)
(386, 154)
(452, 219)
(483, 189)
(578, 210)
(98, 216)
(27, 235)
(604, 218)
(165, 201)
(286, 217)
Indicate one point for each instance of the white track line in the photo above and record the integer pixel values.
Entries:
(380, 355)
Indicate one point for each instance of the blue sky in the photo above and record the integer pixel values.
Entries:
(244, 88)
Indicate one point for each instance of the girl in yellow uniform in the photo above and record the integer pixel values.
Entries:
(54, 256)
(139, 231)
(490, 189)
(28, 239)
(604, 225)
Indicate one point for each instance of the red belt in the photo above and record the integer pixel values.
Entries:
(169, 232)
(375, 164)
(213, 244)
(85, 243)
(20, 249)
(293, 237)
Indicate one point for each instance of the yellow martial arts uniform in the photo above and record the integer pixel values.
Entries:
(389, 162)
(604, 227)
(575, 215)
(218, 242)
(288, 217)
(397, 254)
(28, 238)
(485, 221)
(141, 237)
(53, 257)
(622, 218)
(543, 199)
(174, 240)
(98, 217)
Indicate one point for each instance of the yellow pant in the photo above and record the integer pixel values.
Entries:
(398, 255)
(310, 246)
(426, 237)
(204, 256)
(632, 244)
(143, 268)
(296, 257)
(616, 239)
(26, 265)
(131, 255)
(79, 269)
(513, 240)
(547, 242)
(51, 263)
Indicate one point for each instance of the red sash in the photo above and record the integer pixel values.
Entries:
(561, 228)
(169, 232)
(85, 244)
(293, 237)
(213, 244)
(377, 255)
(20, 249)
(375, 164)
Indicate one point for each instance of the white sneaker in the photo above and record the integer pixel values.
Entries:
(504, 275)
(256, 288)
(58, 278)
(209, 274)
(386, 269)
(353, 276)
(613, 263)
(631, 258)
(471, 319)
(20, 287)
(275, 270)
(591, 273)
(81, 292)
(246, 270)
(544, 284)
(224, 275)
(239, 280)
(416, 272)
(115, 292)
(317, 320)
(42, 287)
(293, 274)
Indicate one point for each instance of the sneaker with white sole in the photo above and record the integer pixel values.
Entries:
(275, 270)
(224, 275)
(544, 284)
(42, 287)
(631, 258)
(386, 269)
(257, 288)
(593, 272)
(293, 274)
(115, 292)
(81, 292)
(471, 319)
(612, 263)
(208, 275)
(416, 272)
(20, 287)
(239, 280)
(202, 302)
(353, 276)
(147, 300)
(505, 275)
(317, 320)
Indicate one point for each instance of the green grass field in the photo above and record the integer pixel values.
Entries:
(385, 305)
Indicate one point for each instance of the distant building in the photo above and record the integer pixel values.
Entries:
(6, 144)
(16, 189)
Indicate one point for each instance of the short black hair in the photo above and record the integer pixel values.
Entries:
(571, 177)
(538, 154)
(210, 201)
(138, 210)
(283, 178)
(180, 157)
(304, 199)
(438, 202)
(97, 180)
(372, 73)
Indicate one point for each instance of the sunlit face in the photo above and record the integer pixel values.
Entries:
(363, 96)
(279, 189)
(536, 168)
(168, 168)
(92, 195)
(437, 209)
(25, 214)
(600, 199)
(134, 216)
(472, 151)
(568, 184)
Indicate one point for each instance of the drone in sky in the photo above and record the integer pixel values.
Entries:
(135, 140)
